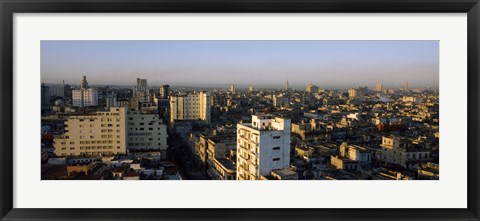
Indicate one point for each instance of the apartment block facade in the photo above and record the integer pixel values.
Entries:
(190, 106)
(146, 132)
(102, 133)
(111, 132)
(262, 147)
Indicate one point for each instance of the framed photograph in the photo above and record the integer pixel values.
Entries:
(241, 110)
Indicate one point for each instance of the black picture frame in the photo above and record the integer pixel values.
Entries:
(9, 7)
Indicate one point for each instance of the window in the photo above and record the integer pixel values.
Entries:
(276, 159)
(276, 137)
(276, 148)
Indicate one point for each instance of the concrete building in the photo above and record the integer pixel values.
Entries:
(111, 100)
(219, 163)
(164, 91)
(191, 106)
(379, 87)
(401, 151)
(141, 90)
(45, 99)
(262, 147)
(279, 100)
(146, 132)
(352, 92)
(102, 133)
(311, 88)
(57, 91)
(352, 157)
(84, 96)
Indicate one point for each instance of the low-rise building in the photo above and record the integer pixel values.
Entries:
(401, 151)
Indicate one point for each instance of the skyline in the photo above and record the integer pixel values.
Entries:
(262, 64)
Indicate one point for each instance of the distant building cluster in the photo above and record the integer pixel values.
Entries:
(166, 132)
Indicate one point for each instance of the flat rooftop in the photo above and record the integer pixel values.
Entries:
(284, 172)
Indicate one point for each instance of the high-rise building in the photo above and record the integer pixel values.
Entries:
(379, 87)
(190, 106)
(111, 100)
(250, 88)
(45, 98)
(311, 88)
(146, 132)
(287, 86)
(101, 133)
(164, 91)
(141, 91)
(263, 147)
(232, 89)
(57, 91)
(352, 92)
(84, 82)
(142, 85)
(405, 87)
(111, 132)
(84, 96)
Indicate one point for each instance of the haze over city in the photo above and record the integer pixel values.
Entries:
(328, 64)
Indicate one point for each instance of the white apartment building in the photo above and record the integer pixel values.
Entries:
(263, 146)
(146, 132)
(85, 97)
(190, 106)
(102, 133)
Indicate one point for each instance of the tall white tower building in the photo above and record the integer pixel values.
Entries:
(263, 147)
(84, 96)
(190, 106)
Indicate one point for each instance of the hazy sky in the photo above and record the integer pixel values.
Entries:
(328, 64)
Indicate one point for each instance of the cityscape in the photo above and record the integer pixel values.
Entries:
(239, 110)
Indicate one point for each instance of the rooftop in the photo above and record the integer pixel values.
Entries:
(284, 172)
